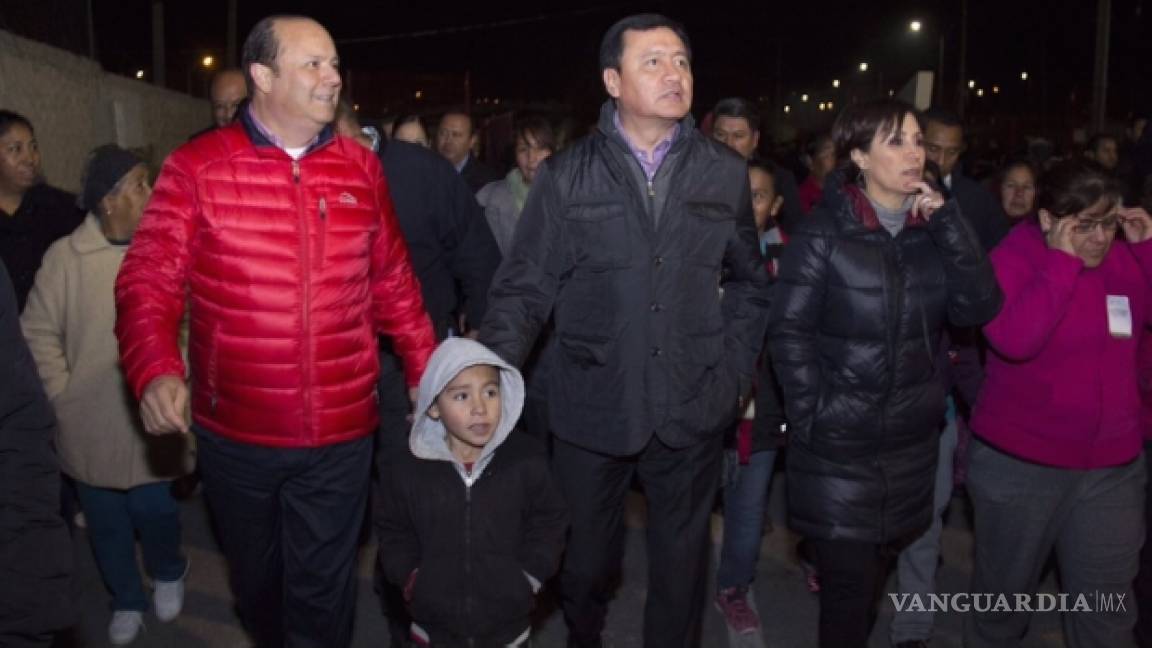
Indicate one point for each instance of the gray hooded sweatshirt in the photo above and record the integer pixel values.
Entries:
(429, 438)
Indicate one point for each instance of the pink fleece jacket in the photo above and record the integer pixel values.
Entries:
(1061, 390)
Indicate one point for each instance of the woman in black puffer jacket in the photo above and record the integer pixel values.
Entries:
(866, 286)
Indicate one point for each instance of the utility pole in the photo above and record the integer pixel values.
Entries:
(962, 76)
(230, 59)
(159, 76)
(1100, 71)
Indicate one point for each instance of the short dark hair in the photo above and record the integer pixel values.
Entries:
(858, 124)
(460, 110)
(1071, 187)
(813, 146)
(738, 108)
(767, 166)
(612, 45)
(405, 118)
(1019, 163)
(538, 127)
(942, 116)
(262, 46)
(8, 119)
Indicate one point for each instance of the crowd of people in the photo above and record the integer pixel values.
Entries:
(325, 322)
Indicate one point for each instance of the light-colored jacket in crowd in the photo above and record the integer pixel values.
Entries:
(68, 324)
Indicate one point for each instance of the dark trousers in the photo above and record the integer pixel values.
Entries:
(680, 485)
(289, 520)
(851, 575)
(391, 442)
(115, 519)
(1143, 582)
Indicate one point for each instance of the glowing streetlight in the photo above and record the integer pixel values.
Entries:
(835, 83)
(891, 92)
(914, 25)
(803, 97)
(208, 61)
(863, 66)
(787, 109)
(1023, 76)
(139, 74)
(821, 106)
(971, 84)
(980, 92)
(356, 107)
(419, 94)
(829, 105)
(995, 89)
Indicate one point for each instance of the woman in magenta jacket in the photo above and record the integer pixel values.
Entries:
(1056, 461)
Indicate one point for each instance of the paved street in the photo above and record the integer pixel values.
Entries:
(788, 611)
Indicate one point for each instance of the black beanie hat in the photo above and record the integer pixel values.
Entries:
(107, 164)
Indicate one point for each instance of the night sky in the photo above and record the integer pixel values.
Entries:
(523, 52)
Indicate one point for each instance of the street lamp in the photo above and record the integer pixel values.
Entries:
(1023, 76)
(971, 84)
(863, 66)
(208, 62)
(914, 25)
(139, 74)
(803, 97)
(787, 109)
(980, 92)
(835, 83)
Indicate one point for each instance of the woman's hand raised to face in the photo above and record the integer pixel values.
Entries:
(1059, 235)
(1137, 224)
(926, 200)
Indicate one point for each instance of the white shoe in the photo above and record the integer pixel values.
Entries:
(125, 626)
(168, 598)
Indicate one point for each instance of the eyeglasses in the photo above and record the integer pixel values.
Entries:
(1107, 225)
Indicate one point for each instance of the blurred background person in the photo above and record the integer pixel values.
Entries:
(122, 475)
(410, 128)
(503, 200)
(820, 158)
(32, 213)
(228, 91)
(1018, 190)
(1104, 149)
(456, 139)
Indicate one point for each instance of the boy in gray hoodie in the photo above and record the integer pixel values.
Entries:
(470, 524)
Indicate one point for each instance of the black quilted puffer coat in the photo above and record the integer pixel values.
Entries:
(855, 326)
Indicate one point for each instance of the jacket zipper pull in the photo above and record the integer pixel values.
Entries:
(323, 208)
(296, 171)
(651, 190)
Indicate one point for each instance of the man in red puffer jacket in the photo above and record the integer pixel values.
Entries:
(281, 238)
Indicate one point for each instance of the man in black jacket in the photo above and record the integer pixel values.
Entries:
(456, 139)
(943, 144)
(624, 240)
(35, 548)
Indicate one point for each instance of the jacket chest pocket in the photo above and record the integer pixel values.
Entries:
(596, 235)
(345, 225)
(709, 226)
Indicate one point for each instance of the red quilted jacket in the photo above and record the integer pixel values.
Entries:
(290, 269)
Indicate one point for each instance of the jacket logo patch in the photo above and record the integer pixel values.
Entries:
(347, 199)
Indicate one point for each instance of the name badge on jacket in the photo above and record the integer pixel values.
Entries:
(1119, 316)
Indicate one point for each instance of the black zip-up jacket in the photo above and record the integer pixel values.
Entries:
(857, 318)
(452, 249)
(630, 271)
(35, 547)
(472, 545)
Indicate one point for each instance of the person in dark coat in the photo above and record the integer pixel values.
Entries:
(623, 240)
(35, 547)
(456, 139)
(33, 215)
(866, 286)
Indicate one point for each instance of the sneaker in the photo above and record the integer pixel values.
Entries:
(733, 604)
(125, 626)
(168, 598)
